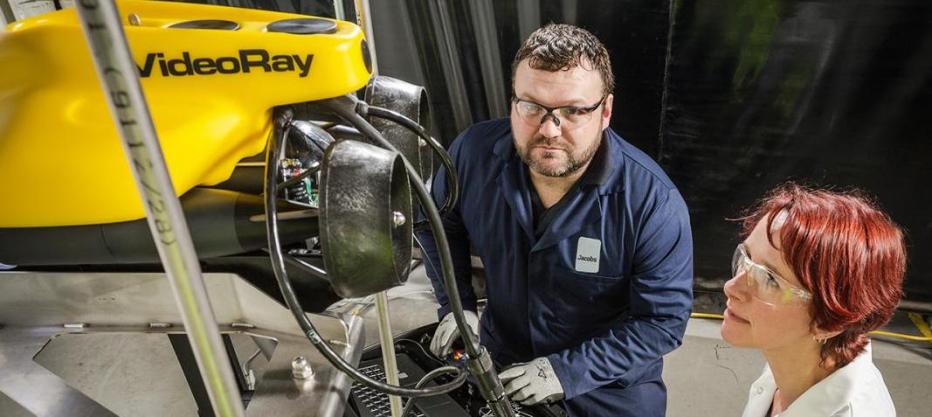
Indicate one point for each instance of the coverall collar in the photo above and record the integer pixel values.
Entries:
(605, 163)
(583, 208)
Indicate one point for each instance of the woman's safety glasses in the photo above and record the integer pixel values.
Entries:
(568, 117)
(765, 284)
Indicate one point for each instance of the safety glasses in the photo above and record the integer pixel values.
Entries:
(765, 284)
(568, 117)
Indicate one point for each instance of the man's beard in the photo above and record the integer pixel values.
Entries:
(573, 163)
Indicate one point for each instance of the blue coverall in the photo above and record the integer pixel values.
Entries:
(604, 330)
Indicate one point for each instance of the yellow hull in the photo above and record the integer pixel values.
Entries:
(210, 93)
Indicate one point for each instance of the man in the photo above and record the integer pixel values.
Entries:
(585, 241)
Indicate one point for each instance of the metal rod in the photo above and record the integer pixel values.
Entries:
(339, 12)
(364, 20)
(334, 401)
(388, 350)
(6, 15)
(282, 117)
(478, 362)
(117, 71)
(915, 306)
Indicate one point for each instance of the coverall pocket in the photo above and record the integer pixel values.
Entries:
(583, 291)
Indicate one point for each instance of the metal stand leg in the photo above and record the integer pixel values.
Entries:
(245, 392)
(188, 364)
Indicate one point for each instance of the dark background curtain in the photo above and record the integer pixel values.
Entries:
(732, 97)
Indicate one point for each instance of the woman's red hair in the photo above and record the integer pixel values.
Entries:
(846, 252)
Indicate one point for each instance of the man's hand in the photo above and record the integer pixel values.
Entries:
(447, 333)
(533, 382)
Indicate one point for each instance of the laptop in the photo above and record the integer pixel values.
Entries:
(371, 403)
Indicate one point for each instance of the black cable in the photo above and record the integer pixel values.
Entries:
(348, 132)
(349, 114)
(288, 294)
(307, 267)
(427, 378)
(426, 352)
(477, 359)
(445, 159)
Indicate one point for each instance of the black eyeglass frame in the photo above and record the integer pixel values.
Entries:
(550, 110)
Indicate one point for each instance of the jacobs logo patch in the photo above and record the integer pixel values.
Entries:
(588, 251)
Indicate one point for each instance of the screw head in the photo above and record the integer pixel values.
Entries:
(398, 218)
(301, 368)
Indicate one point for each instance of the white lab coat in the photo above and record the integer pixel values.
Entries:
(855, 390)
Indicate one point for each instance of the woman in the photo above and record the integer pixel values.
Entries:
(816, 272)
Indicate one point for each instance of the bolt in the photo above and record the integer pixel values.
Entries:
(301, 368)
(398, 219)
(250, 378)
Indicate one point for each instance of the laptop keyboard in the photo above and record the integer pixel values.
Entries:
(376, 402)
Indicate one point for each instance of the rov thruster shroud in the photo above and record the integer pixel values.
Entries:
(268, 149)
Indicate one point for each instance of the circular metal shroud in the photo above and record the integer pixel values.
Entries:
(362, 189)
(411, 101)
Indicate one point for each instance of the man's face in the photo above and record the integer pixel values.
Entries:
(548, 149)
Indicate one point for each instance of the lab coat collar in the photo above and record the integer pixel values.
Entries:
(761, 395)
(825, 398)
(834, 392)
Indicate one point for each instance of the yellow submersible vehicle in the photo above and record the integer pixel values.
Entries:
(301, 177)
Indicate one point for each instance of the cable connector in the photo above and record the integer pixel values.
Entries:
(490, 385)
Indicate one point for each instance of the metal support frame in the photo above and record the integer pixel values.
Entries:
(6, 14)
(185, 355)
(339, 10)
(102, 26)
(363, 19)
(388, 351)
(120, 303)
(33, 387)
(363, 16)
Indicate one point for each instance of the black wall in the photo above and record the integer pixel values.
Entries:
(731, 96)
(820, 92)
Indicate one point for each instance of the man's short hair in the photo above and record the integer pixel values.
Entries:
(561, 47)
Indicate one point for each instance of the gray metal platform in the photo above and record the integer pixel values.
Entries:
(137, 374)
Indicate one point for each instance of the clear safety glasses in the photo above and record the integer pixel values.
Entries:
(765, 284)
